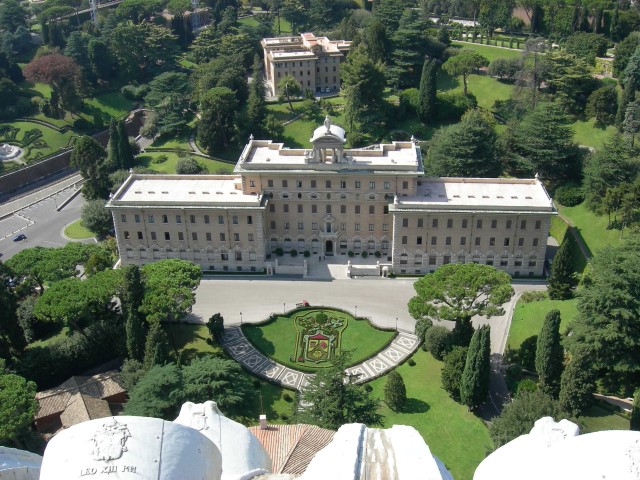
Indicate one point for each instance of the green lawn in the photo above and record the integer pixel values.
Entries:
(489, 51)
(558, 228)
(214, 166)
(592, 227)
(587, 134)
(52, 140)
(459, 438)
(285, 26)
(599, 418)
(277, 339)
(190, 340)
(180, 141)
(77, 231)
(112, 104)
(528, 318)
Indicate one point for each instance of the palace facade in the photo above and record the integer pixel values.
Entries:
(329, 201)
(313, 61)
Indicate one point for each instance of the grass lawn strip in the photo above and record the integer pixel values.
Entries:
(146, 160)
(489, 51)
(277, 339)
(77, 231)
(528, 318)
(459, 438)
(592, 227)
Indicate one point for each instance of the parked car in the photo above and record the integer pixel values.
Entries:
(19, 237)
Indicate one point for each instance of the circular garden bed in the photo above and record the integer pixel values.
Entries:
(309, 338)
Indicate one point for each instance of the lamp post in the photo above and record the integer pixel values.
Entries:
(284, 308)
(356, 311)
(240, 318)
(396, 324)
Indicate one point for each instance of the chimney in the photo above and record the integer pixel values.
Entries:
(263, 422)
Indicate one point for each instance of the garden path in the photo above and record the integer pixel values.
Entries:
(236, 344)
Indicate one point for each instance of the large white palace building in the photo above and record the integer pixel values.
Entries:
(329, 201)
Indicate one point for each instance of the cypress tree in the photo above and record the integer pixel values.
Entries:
(577, 383)
(395, 391)
(124, 149)
(631, 86)
(562, 280)
(474, 384)
(156, 349)
(113, 154)
(256, 105)
(549, 354)
(634, 423)
(428, 88)
(133, 291)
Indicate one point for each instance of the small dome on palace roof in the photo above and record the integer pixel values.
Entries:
(328, 129)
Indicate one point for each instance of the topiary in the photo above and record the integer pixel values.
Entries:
(412, 362)
(377, 254)
(364, 254)
(307, 253)
(294, 253)
(350, 253)
(279, 252)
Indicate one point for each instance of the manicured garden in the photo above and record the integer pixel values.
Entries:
(77, 231)
(592, 227)
(459, 438)
(491, 52)
(283, 338)
(36, 139)
(155, 161)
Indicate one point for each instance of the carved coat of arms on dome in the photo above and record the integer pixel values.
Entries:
(109, 442)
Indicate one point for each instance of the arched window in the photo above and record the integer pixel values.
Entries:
(403, 259)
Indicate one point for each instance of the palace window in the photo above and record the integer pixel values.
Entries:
(123, 218)
(180, 236)
(165, 219)
(357, 183)
(194, 236)
(477, 241)
(434, 223)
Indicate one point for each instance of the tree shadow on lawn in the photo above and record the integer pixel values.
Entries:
(415, 405)
(255, 335)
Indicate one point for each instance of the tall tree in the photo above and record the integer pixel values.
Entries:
(333, 398)
(549, 354)
(89, 157)
(465, 63)
(169, 95)
(609, 317)
(631, 85)
(362, 87)
(256, 105)
(100, 58)
(158, 394)
(289, 87)
(578, 382)
(634, 423)
(215, 325)
(12, 15)
(218, 109)
(495, 14)
(602, 105)
(452, 370)
(428, 88)
(156, 348)
(113, 153)
(131, 297)
(458, 292)
(375, 41)
(61, 73)
(465, 149)
(388, 13)
(562, 280)
(18, 406)
(97, 218)
(474, 383)
(395, 391)
(125, 154)
(12, 340)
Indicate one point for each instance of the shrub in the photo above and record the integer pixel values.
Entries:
(377, 254)
(368, 388)
(533, 296)
(569, 195)
(452, 105)
(307, 254)
(364, 254)
(279, 252)
(82, 124)
(350, 253)
(526, 385)
(294, 253)
(505, 68)
(256, 383)
(132, 92)
(395, 391)
(159, 159)
(438, 341)
(422, 326)
(411, 362)
(189, 166)
(409, 99)
(287, 398)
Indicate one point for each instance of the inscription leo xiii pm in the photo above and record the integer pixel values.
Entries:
(109, 443)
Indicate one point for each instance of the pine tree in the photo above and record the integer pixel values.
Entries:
(428, 88)
(131, 298)
(113, 153)
(577, 383)
(156, 349)
(562, 280)
(474, 384)
(124, 149)
(395, 392)
(634, 423)
(256, 105)
(549, 354)
(631, 85)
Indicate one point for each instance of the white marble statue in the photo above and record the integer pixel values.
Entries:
(555, 451)
(18, 464)
(125, 448)
(243, 456)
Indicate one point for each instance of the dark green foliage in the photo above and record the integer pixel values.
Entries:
(125, 154)
(624, 51)
(218, 108)
(578, 383)
(158, 394)
(131, 298)
(569, 195)
(169, 96)
(631, 85)
(465, 63)
(334, 402)
(562, 280)
(89, 157)
(375, 41)
(609, 316)
(603, 104)
(388, 13)
(100, 58)
(17, 407)
(131, 373)
(256, 105)
(634, 423)
(474, 383)
(97, 218)
(156, 348)
(27, 320)
(427, 106)
(422, 325)
(451, 106)
(189, 166)
(215, 325)
(505, 68)
(466, 149)
(519, 416)
(12, 340)
(395, 392)
(438, 341)
(550, 354)
(219, 379)
(452, 369)
(586, 45)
